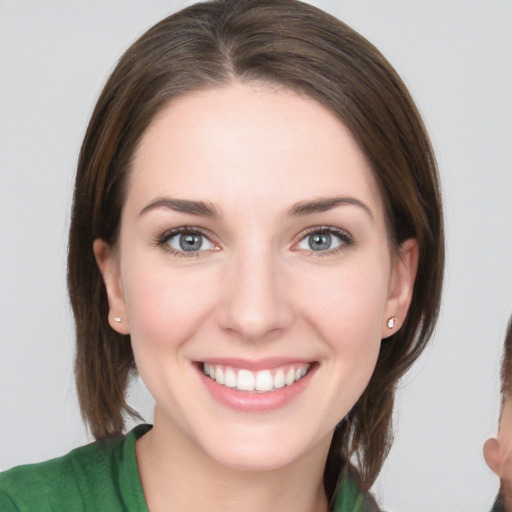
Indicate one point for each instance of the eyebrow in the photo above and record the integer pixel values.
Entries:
(324, 204)
(207, 209)
(201, 208)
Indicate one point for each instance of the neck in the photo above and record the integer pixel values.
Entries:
(176, 475)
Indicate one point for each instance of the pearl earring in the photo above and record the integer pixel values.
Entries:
(391, 322)
(118, 319)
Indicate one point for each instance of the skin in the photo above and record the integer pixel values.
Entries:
(256, 290)
(498, 454)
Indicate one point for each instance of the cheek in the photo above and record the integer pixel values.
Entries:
(346, 309)
(349, 304)
(165, 307)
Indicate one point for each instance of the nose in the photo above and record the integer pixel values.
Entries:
(255, 302)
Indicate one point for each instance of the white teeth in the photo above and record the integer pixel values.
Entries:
(245, 380)
(279, 379)
(219, 375)
(262, 381)
(230, 378)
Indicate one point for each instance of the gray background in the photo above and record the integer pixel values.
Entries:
(456, 57)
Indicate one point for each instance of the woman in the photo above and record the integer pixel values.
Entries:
(257, 232)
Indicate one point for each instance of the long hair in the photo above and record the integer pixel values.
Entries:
(300, 47)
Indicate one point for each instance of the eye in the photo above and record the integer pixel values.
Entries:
(186, 241)
(324, 239)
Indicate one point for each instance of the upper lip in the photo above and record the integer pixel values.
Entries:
(254, 364)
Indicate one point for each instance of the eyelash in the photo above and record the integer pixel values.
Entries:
(346, 240)
(163, 239)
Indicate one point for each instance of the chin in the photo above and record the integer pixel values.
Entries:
(265, 452)
(254, 462)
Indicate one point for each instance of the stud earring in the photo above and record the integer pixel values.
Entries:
(118, 319)
(391, 322)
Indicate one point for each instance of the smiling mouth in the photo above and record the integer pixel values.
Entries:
(262, 381)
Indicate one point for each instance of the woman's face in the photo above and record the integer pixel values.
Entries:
(253, 273)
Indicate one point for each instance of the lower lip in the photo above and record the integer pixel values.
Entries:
(249, 401)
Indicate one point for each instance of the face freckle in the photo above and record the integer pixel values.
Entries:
(253, 253)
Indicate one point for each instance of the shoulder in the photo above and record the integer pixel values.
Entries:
(57, 484)
(81, 480)
(36, 486)
(349, 495)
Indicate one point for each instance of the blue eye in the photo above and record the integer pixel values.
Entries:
(187, 241)
(324, 240)
(320, 242)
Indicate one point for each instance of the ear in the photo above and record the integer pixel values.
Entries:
(401, 286)
(492, 455)
(108, 264)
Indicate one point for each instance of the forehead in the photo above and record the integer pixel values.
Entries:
(250, 142)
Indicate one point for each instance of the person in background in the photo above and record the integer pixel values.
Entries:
(498, 450)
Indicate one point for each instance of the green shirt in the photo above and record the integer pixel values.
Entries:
(103, 477)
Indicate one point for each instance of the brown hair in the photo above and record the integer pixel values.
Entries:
(506, 365)
(300, 47)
